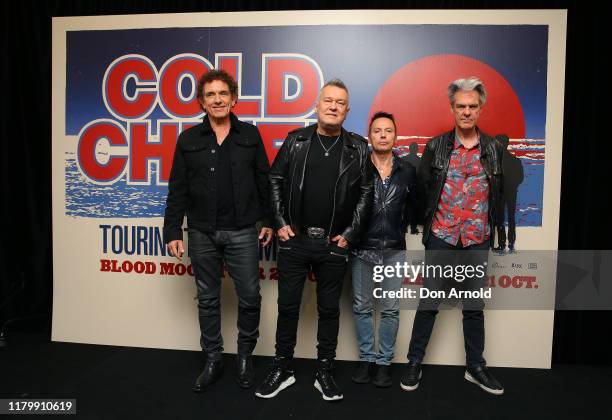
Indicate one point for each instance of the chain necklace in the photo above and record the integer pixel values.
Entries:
(330, 147)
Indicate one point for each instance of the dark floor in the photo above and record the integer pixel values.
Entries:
(119, 383)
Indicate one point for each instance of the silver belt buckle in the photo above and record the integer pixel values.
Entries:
(315, 232)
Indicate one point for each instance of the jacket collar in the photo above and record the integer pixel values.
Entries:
(457, 143)
(308, 132)
(483, 140)
(207, 128)
(349, 146)
(397, 163)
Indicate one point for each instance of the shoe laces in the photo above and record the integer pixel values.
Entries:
(413, 369)
(275, 372)
(327, 379)
(486, 374)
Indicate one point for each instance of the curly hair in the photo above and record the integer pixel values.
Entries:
(213, 75)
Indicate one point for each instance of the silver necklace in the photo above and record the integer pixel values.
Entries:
(330, 147)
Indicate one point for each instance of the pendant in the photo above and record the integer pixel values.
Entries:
(326, 154)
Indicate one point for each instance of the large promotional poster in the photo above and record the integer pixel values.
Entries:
(125, 87)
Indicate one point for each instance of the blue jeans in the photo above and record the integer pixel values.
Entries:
(363, 309)
(239, 249)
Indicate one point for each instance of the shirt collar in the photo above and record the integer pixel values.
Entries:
(459, 144)
(207, 128)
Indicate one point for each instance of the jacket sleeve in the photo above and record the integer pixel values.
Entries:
(424, 180)
(363, 209)
(411, 211)
(262, 170)
(177, 199)
(277, 177)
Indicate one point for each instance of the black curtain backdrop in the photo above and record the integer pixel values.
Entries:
(25, 159)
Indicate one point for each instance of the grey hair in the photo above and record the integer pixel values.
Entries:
(333, 82)
(469, 84)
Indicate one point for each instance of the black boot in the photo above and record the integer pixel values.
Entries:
(363, 372)
(325, 383)
(211, 373)
(245, 374)
(383, 377)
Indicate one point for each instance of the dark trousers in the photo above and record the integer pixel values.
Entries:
(507, 206)
(328, 262)
(240, 251)
(439, 252)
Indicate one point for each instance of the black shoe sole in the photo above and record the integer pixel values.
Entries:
(245, 385)
(325, 397)
(473, 380)
(412, 387)
(198, 389)
(382, 384)
(285, 384)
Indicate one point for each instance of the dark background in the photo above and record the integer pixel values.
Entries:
(26, 281)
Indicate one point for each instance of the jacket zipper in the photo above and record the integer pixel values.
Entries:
(304, 167)
(291, 192)
(335, 188)
(293, 177)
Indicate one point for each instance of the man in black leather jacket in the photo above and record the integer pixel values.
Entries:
(321, 194)
(461, 177)
(383, 243)
(432, 172)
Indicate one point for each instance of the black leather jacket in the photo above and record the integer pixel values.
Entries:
(353, 189)
(391, 209)
(434, 166)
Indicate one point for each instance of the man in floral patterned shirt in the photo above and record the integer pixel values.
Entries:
(460, 176)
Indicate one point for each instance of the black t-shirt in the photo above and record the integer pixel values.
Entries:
(319, 181)
(226, 213)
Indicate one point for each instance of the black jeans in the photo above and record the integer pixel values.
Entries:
(328, 262)
(439, 252)
(240, 251)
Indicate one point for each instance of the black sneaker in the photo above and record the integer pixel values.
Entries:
(363, 372)
(411, 377)
(382, 379)
(325, 383)
(481, 376)
(279, 378)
